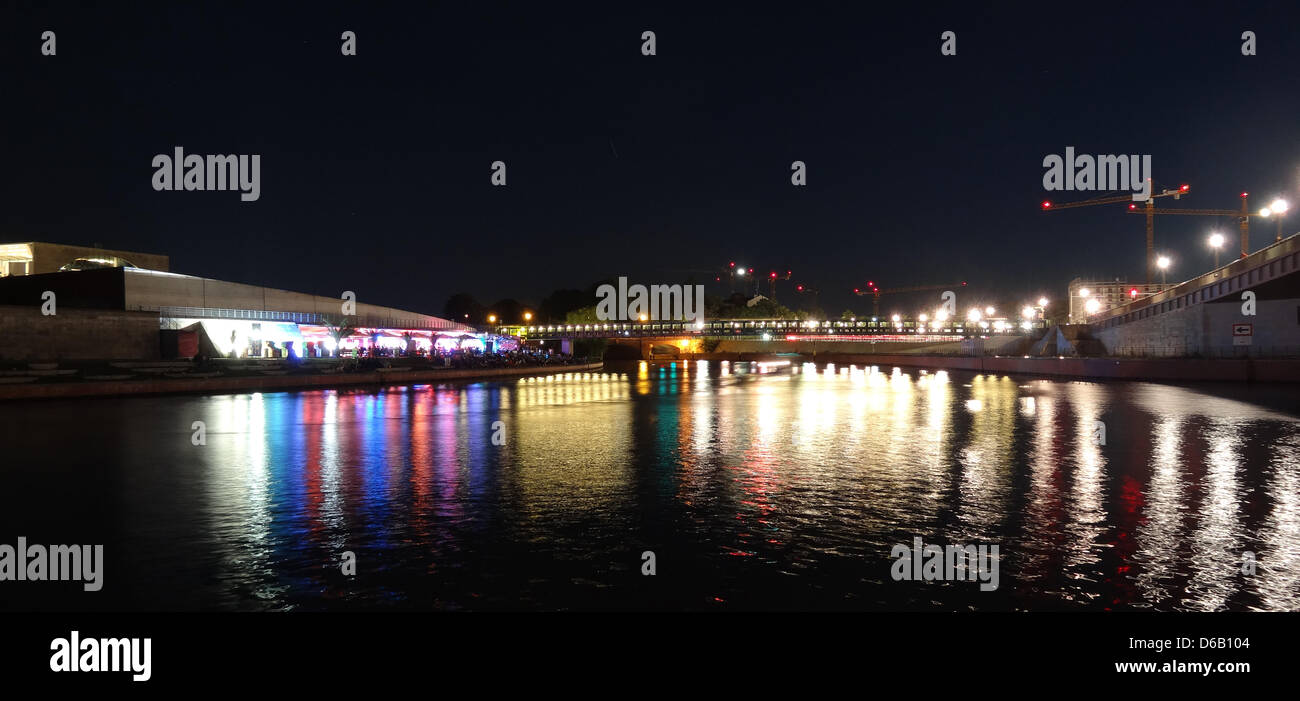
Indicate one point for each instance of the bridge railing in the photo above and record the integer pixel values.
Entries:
(759, 327)
(1264, 265)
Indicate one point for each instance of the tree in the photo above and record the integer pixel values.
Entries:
(848, 315)
(461, 304)
(339, 327)
(737, 306)
(509, 311)
(586, 315)
(559, 303)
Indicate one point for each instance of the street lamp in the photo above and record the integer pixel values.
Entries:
(492, 318)
(1278, 208)
(1216, 242)
(528, 316)
(1085, 295)
(1163, 263)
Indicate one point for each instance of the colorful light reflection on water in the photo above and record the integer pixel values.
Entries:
(756, 485)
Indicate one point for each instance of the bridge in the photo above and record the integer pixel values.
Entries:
(865, 330)
(1247, 308)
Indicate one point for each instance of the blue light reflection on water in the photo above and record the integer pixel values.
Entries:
(756, 486)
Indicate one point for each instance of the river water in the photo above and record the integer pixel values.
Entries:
(754, 486)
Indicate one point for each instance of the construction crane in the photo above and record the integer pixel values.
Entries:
(876, 292)
(731, 272)
(747, 276)
(1149, 210)
(1243, 219)
(772, 278)
(806, 290)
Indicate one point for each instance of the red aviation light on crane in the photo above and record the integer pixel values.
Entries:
(1244, 194)
(800, 288)
(1047, 204)
(1183, 188)
(1132, 206)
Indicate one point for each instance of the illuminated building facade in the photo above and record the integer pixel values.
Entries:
(1090, 297)
(231, 319)
(36, 258)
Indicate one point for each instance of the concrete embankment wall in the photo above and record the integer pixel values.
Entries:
(1145, 369)
(1206, 329)
(1249, 307)
(77, 334)
(225, 385)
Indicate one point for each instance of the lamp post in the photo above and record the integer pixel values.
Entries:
(1083, 295)
(1163, 263)
(1216, 242)
(1277, 210)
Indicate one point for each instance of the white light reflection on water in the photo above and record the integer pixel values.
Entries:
(758, 486)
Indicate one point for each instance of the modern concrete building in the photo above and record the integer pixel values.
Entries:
(37, 257)
(121, 310)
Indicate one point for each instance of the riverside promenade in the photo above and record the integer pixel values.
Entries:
(272, 383)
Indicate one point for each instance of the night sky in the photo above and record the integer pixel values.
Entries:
(376, 168)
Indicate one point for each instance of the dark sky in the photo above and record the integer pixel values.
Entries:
(376, 168)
